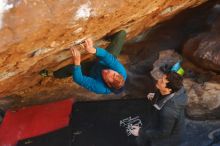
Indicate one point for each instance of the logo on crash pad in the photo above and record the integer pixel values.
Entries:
(129, 122)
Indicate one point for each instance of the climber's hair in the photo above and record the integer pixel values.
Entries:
(175, 81)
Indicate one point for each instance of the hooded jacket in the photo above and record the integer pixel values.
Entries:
(171, 122)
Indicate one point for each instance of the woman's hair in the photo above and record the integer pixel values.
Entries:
(175, 81)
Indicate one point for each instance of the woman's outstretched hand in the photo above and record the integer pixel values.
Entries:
(76, 55)
(89, 46)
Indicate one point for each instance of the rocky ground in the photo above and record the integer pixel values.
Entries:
(202, 133)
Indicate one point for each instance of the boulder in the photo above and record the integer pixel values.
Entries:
(37, 34)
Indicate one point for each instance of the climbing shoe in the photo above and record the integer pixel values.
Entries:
(46, 73)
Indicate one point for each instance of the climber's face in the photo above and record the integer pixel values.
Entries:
(109, 76)
(162, 85)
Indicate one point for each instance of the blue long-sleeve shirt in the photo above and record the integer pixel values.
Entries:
(94, 82)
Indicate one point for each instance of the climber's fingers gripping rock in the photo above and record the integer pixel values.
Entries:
(76, 55)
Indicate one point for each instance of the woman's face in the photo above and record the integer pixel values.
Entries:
(109, 75)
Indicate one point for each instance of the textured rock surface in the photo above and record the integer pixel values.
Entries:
(35, 33)
(204, 49)
(204, 99)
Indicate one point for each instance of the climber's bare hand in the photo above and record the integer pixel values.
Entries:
(135, 130)
(76, 55)
(150, 96)
(89, 46)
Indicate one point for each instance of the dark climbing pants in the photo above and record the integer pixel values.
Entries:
(114, 48)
